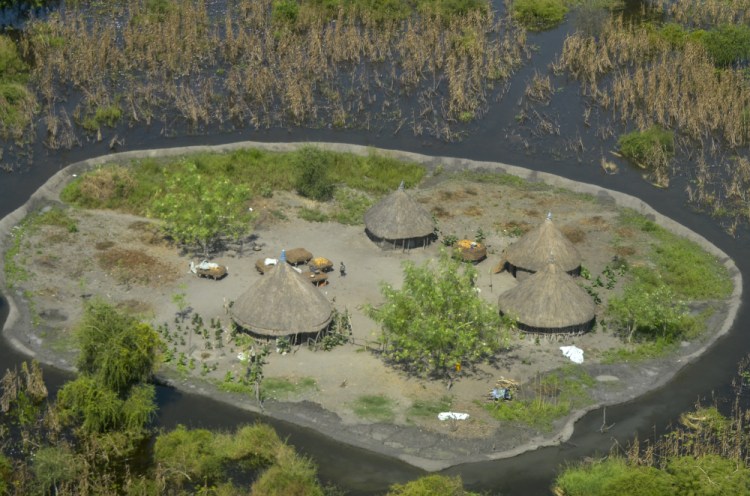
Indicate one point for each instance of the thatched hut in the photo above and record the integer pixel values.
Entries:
(549, 301)
(399, 221)
(283, 303)
(532, 251)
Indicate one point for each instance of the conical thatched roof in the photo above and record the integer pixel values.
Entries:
(282, 303)
(399, 216)
(549, 300)
(532, 251)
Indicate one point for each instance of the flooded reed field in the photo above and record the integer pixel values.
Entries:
(636, 97)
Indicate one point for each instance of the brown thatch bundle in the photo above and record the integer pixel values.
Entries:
(532, 251)
(398, 216)
(549, 301)
(297, 256)
(282, 303)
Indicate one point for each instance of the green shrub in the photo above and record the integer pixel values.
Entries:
(538, 15)
(610, 477)
(432, 485)
(285, 11)
(728, 44)
(290, 475)
(313, 179)
(647, 148)
(12, 67)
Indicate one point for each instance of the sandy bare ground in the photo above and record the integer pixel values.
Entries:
(66, 268)
(122, 259)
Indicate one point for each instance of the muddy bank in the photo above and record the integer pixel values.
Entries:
(428, 450)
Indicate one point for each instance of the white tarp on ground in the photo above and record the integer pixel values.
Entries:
(573, 352)
(452, 416)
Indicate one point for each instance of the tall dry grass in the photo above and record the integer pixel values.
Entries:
(242, 66)
(641, 79)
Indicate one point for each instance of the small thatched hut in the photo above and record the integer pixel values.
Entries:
(283, 303)
(399, 221)
(549, 301)
(532, 251)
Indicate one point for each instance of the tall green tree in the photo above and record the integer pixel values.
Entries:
(199, 209)
(437, 322)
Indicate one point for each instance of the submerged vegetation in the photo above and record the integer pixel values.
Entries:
(683, 76)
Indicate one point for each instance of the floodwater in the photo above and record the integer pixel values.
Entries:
(497, 137)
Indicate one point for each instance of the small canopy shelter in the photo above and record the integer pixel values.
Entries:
(549, 301)
(532, 251)
(399, 221)
(283, 303)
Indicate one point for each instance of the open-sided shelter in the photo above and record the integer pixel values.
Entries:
(282, 303)
(532, 251)
(399, 221)
(549, 301)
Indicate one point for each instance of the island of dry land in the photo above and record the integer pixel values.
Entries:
(348, 392)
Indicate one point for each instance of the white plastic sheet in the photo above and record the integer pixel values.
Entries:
(452, 416)
(573, 352)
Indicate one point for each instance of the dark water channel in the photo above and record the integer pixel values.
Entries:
(495, 138)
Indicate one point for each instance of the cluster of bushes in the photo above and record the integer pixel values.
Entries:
(203, 198)
(727, 45)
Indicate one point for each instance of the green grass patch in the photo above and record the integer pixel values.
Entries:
(107, 115)
(647, 148)
(312, 215)
(681, 264)
(351, 206)
(374, 407)
(639, 352)
(133, 188)
(430, 408)
(538, 15)
(555, 396)
(282, 387)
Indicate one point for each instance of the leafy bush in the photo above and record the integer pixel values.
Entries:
(12, 67)
(433, 485)
(437, 321)
(313, 179)
(647, 148)
(728, 44)
(649, 312)
(285, 11)
(200, 209)
(539, 15)
(290, 475)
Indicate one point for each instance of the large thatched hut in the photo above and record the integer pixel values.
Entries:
(532, 251)
(282, 303)
(549, 301)
(398, 221)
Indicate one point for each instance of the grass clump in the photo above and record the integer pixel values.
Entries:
(374, 407)
(434, 485)
(312, 215)
(538, 15)
(728, 45)
(647, 148)
(283, 387)
(107, 115)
